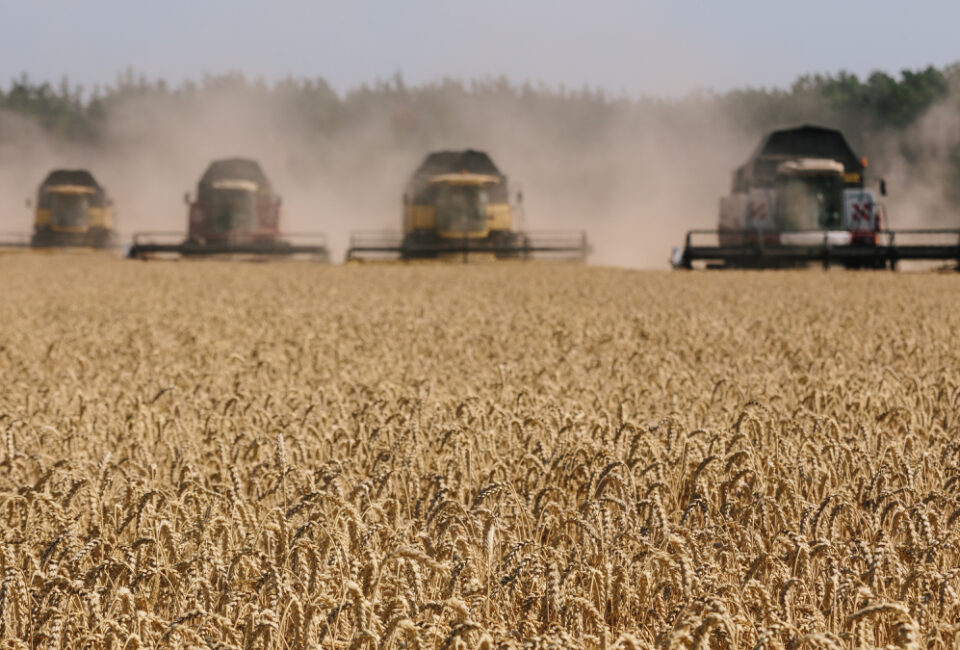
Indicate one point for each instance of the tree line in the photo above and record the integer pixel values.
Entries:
(866, 109)
(878, 102)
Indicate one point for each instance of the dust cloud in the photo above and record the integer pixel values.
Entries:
(635, 175)
(153, 150)
(917, 164)
(25, 155)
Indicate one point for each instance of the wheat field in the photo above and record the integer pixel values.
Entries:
(226, 455)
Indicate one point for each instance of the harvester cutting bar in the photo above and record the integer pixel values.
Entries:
(374, 244)
(560, 243)
(759, 249)
(522, 245)
(146, 244)
(903, 245)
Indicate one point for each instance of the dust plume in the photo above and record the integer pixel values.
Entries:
(918, 164)
(26, 153)
(634, 174)
(633, 178)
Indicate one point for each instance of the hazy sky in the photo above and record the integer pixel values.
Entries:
(667, 47)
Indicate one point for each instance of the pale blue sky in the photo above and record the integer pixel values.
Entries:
(637, 47)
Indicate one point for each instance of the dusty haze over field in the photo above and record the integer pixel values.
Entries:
(634, 184)
(634, 179)
(635, 173)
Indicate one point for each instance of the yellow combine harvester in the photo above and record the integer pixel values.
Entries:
(72, 210)
(457, 205)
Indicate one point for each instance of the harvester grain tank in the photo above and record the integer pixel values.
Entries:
(72, 210)
(235, 212)
(457, 204)
(803, 197)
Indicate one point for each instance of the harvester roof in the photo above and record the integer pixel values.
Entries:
(464, 178)
(76, 177)
(72, 181)
(236, 169)
(465, 161)
(450, 162)
(805, 141)
(810, 166)
(69, 189)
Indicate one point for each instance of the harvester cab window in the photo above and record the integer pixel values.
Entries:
(69, 210)
(461, 208)
(234, 210)
(811, 202)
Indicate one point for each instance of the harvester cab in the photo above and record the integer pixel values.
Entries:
(811, 194)
(456, 205)
(461, 203)
(235, 212)
(802, 198)
(72, 210)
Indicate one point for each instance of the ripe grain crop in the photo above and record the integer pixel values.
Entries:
(223, 455)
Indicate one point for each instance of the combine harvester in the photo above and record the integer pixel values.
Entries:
(802, 198)
(456, 206)
(236, 213)
(72, 211)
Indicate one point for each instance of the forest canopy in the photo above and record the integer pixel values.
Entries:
(859, 107)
